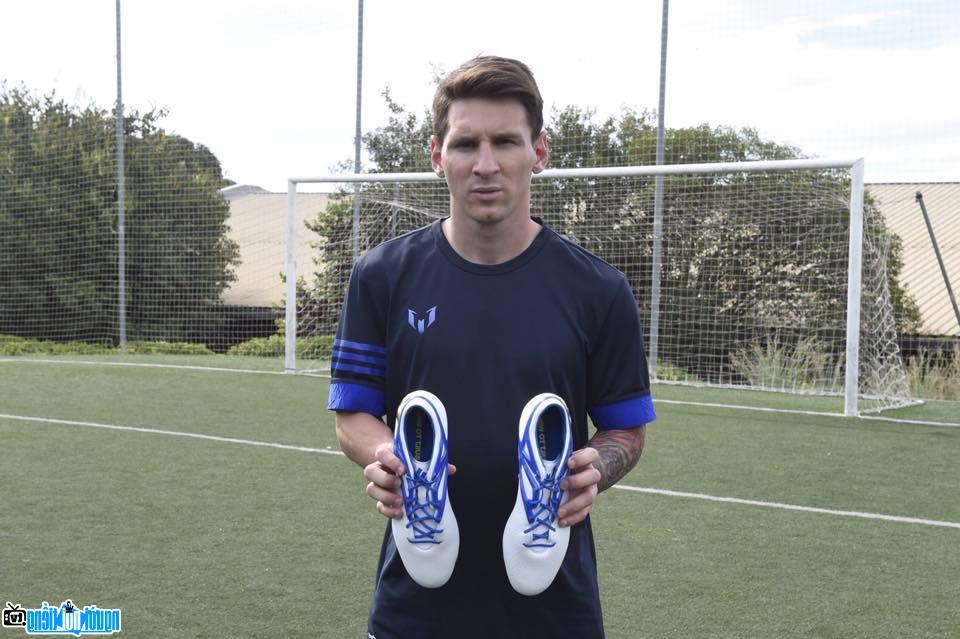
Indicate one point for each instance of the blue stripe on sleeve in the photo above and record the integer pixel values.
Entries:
(370, 359)
(626, 414)
(364, 370)
(360, 346)
(355, 397)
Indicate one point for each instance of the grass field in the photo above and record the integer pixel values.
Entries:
(204, 537)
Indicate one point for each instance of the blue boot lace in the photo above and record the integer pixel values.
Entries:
(423, 503)
(542, 504)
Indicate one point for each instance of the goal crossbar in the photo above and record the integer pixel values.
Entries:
(610, 171)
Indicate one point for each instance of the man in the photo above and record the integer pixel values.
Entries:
(510, 309)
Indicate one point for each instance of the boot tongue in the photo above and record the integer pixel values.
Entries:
(548, 466)
(420, 465)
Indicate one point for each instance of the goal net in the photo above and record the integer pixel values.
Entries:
(768, 276)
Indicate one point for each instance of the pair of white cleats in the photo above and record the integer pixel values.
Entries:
(427, 536)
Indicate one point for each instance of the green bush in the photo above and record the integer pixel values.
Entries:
(933, 377)
(13, 345)
(670, 372)
(805, 365)
(167, 348)
(317, 347)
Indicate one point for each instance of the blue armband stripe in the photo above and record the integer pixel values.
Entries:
(356, 397)
(363, 370)
(360, 346)
(628, 413)
(354, 357)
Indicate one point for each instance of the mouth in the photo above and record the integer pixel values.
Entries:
(486, 191)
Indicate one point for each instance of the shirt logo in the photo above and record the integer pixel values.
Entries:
(418, 323)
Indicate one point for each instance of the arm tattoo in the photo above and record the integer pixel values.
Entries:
(619, 452)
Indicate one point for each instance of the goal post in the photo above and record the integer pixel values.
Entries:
(854, 289)
(772, 275)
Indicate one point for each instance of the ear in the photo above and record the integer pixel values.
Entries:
(542, 152)
(436, 155)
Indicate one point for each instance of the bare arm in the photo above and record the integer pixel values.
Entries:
(369, 443)
(607, 457)
(619, 450)
(360, 434)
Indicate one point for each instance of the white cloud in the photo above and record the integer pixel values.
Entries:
(817, 96)
(269, 85)
(866, 18)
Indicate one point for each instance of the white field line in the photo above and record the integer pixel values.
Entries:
(140, 365)
(173, 433)
(788, 411)
(638, 489)
(806, 509)
(898, 420)
(212, 369)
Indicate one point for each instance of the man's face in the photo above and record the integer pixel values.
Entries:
(487, 158)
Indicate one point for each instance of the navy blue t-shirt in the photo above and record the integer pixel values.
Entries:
(485, 340)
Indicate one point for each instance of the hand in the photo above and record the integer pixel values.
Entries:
(384, 475)
(580, 485)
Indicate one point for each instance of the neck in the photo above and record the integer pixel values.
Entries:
(489, 244)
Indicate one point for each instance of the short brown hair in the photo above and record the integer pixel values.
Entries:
(489, 77)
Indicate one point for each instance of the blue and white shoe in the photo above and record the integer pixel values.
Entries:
(427, 536)
(533, 543)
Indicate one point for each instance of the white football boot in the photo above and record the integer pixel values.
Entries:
(427, 536)
(533, 543)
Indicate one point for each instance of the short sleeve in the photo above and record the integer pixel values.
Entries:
(358, 361)
(618, 383)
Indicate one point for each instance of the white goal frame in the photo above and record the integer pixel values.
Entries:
(855, 254)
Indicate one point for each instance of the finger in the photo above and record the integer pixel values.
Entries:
(578, 501)
(589, 476)
(575, 518)
(389, 460)
(582, 457)
(388, 511)
(389, 503)
(451, 469)
(381, 476)
(577, 507)
(389, 498)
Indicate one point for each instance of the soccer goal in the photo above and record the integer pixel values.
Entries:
(767, 275)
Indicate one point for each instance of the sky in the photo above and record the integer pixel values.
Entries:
(270, 85)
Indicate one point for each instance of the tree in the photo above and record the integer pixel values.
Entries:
(718, 257)
(403, 145)
(58, 225)
(725, 257)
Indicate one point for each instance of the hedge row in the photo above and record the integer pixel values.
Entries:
(307, 347)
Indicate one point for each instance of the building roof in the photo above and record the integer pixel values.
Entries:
(239, 190)
(921, 273)
(258, 224)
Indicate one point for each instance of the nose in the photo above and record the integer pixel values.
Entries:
(486, 161)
